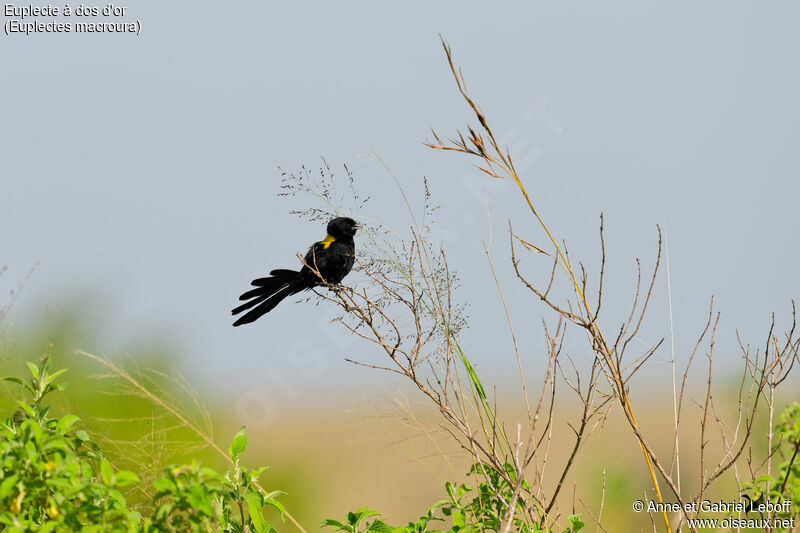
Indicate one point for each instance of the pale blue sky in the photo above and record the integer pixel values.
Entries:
(144, 168)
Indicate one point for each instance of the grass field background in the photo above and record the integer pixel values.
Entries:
(337, 450)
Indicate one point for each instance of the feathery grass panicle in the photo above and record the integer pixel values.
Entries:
(178, 415)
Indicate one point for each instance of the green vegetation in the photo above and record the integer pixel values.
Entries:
(785, 484)
(469, 511)
(55, 478)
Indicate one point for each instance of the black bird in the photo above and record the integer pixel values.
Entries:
(332, 258)
(753, 505)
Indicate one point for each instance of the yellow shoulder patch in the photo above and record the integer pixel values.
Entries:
(326, 242)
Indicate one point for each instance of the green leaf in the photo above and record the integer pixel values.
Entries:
(52, 377)
(106, 472)
(437, 505)
(355, 518)
(274, 494)
(33, 453)
(65, 423)
(55, 445)
(163, 485)
(14, 379)
(277, 505)
(575, 522)
(35, 428)
(334, 523)
(254, 474)
(26, 407)
(125, 477)
(6, 486)
(34, 369)
(451, 491)
(254, 510)
(199, 499)
(238, 445)
(48, 527)
(459, 520)
(476, 382)
(380, 526)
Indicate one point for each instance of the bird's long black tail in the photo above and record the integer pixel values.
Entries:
(268, 293)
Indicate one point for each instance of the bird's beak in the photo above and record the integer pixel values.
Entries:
(358, 226)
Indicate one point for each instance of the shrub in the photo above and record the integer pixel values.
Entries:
(54, 477)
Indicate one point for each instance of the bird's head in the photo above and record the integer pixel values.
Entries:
(343, 227)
